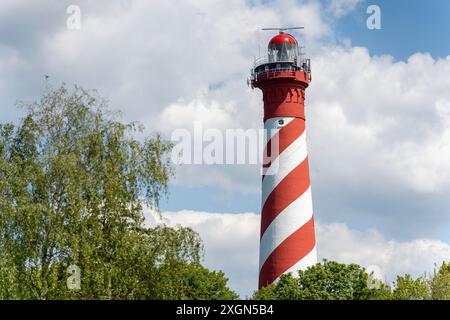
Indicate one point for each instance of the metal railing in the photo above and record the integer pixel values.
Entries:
(280, 67)
(297, 61)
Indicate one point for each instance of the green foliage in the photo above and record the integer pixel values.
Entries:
(324, 281)
(440, 283)
(381, 292)
(332, 280)
(192, 281)
(73, 185)
(268, 292)
(407, 288)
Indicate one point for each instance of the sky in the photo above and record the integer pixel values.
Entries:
(378, 112)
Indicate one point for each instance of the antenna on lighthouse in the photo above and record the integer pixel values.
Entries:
(283, 29)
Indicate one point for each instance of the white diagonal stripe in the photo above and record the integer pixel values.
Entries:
(309, 260)
(272, 126)
(286, 223)
(286, 162)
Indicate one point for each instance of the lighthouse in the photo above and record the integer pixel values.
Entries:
(287, 236)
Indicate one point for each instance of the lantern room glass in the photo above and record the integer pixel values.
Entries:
(282, 51)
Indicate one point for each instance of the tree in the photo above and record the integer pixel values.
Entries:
(192, 281)
(407, 288)
(335, 281)
(440, 283)
(73, 186)
(268, 292)
(324, 281)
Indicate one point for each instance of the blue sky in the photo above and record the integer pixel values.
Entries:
(407, 27)
(378, 111)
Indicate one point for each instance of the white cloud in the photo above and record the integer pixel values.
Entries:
(337, 241)
(209, 113)
(340, 8)
(145, 55)
(232, 245)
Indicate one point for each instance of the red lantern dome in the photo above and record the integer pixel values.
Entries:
(283, 38)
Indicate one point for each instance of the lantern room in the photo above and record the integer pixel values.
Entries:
(284, 58)
(283, 47)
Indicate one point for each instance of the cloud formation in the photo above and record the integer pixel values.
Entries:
(380, 140)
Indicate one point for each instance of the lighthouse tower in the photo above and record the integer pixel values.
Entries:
(287, 241)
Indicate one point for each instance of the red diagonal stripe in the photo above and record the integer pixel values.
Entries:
(286, 192)
(286, 135)
(288, 253)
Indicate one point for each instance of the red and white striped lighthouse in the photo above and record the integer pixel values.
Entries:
(287, 241)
